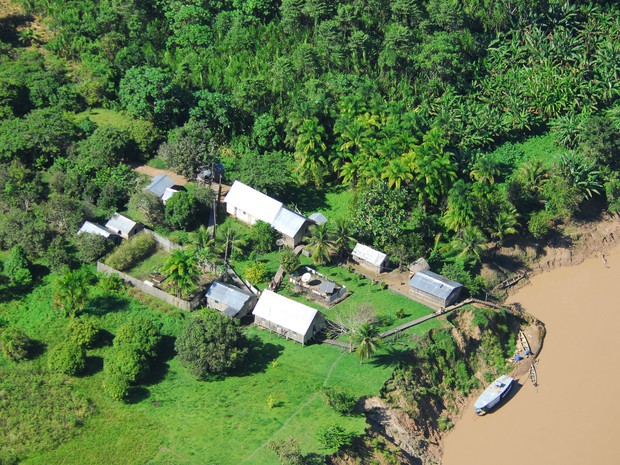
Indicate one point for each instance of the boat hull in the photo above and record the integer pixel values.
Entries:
(493, 394)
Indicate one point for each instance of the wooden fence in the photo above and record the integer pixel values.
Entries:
(151, 290)
(162, 242)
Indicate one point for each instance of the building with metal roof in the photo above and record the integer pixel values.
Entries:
(368, 258)
(433, 289)
(287, 317)
(123, 226)
(169, 192)
(250, 205)
(94, 228)
(230, 300)
(318, 218)
(159, 184)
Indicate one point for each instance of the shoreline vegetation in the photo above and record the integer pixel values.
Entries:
(481, 142)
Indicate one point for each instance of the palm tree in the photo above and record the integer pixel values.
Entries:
(505, 224)
(182, 270)
(469, 243)
(71, 291)
(321, 244)
(341, 237)
(461, 207)
(396, 172)
(367, 339)
(534, 175)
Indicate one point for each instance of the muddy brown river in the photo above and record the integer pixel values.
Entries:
(573, 416)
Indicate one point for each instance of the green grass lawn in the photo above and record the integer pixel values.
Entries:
(150, 264)
(103, 116)
(363, 292)
(179, 420)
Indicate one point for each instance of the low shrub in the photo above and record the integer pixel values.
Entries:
(68, 358)
(15, 344)
(82, 332)
(131, 252)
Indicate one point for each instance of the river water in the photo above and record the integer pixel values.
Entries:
(573, 416)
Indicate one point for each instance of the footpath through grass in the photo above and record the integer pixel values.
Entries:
(175, 419)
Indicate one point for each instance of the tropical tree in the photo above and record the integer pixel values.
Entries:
(469, 243)
(367, 339)
(17, 266)
(347, 322)
(505, 224)
(461, 209)
(310, 150)
(211, 344)
(396, 172)
(341, 235)
(71, 291)
(182, 270)
(320, 244)
(582, 174)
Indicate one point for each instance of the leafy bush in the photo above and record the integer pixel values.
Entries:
(82, 332)
(116, 386)
(181, 210)
(91, 247)
(539, 224)
(68, 358)
(289, 260)
(17, 266)
(256, 273)
(15, 344)
(131, 252)
(288, 451)
(141, 334)
(211, 343)
(340, 400)
(335, 437)
(125, 362)
(148, 205)
(110, 282)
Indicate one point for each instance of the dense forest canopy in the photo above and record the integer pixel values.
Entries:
(407, 101)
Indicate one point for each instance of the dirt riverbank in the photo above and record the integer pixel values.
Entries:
(571, 417)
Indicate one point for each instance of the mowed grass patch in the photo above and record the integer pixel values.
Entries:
(151, 264)
(103, 116)
(226, 421)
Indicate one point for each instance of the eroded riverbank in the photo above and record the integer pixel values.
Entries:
(572, 416)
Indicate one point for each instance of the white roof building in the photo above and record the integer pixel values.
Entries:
(250, 206)
(169, 192)
(94, 228)
(121, 225)
(287, 317)
(371, 258)
(159, 184)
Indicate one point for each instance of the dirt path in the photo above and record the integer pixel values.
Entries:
(571, 417)
(152, 172)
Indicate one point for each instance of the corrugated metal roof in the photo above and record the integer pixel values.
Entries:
(288, 222)
(318, 218)
(169, 192)
(253, 202)
(285, 312)
(327, 287)
(120, 223)
(159, 184)
(370, 255)
(433, 283)
(231, 296)
(94, 228)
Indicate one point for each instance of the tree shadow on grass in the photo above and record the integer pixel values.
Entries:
(137, 394)
(36, 348)
(104, 338)
(94, 364)
(391, 357)
(158, 367)
(101, 305)
(260, 355)
(307, 198)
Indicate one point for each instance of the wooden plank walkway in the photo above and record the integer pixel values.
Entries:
(421, 320)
